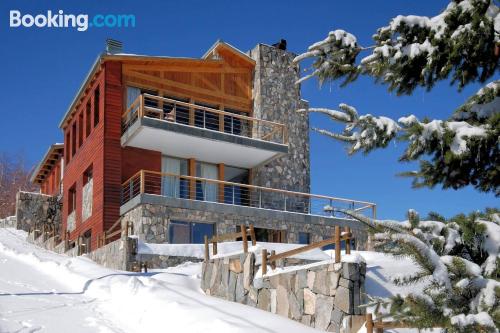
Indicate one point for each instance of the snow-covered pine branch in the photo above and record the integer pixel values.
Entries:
(462, 292)
(469, 148)
(414, 51)
(462, 43)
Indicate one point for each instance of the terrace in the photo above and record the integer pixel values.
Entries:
(188, 130)
(178, 187)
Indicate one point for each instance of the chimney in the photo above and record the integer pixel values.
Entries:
(113, 46)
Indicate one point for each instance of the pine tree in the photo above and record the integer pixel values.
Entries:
(461, 44)
(459, 261)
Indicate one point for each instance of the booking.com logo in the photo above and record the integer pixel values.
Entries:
(61, 20)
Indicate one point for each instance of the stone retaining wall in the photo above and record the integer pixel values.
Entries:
(8, 222)
(162, 261)
(323, 296)
(119, 254)
(37, 208)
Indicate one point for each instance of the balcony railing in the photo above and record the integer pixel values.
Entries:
(194, 115)
(203, 189)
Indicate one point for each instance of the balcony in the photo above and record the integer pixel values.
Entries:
(227, 193)
(189, 130)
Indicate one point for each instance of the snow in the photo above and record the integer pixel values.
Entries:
(481, 318)
(46, 292)
(228, 249)
(491, 245)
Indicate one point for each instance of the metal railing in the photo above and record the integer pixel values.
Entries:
(194, 115)
(211, 190)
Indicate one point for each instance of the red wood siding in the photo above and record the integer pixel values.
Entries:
(90, 153)
(112, 145)
(52, 181)
(136, 159)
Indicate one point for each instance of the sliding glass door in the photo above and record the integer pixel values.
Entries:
(206, 190)
(172, 185)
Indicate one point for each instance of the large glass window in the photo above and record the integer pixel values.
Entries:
(206, 190)
(172, 185)
(233, 194)
(206, 119)
(181, 112)
(180, 232)
(236, 125)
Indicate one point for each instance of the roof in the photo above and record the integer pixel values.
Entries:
(101, 58)
(49, 160)
(221, 44)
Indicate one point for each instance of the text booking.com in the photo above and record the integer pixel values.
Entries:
(61, 20)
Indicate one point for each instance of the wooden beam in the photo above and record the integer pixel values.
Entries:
(219, 68)
(185, 86)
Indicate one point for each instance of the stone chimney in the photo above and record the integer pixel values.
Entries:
(276, 98)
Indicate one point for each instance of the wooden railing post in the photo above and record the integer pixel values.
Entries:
(143, 178)
(207, 250)
(244, 238)
(252, 235)
(264, 262)
(369, 323)
(348, 240)
(141, 106)
(214, 247)
(337, 244)
(273, 262)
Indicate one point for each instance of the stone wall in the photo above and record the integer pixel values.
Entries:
(162, 261)
(276, 98)
(8, 222)
(37, 208)
(325, 295)
(120, 254)
(151, 221)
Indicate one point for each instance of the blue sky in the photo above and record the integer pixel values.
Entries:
(43, 68)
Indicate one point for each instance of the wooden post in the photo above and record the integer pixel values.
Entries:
(369, 323)
(143, 186)
(141, 106)
(192, 182)
(244, 238)
(337, 244)
(264, 262)
(214, 247)
(207, 250)
(273, 262)
(348, 241)
(191, 113)
(252, 235)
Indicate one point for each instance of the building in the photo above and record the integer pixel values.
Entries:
(183, 147)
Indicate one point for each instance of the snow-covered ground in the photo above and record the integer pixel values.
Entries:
(41, 291)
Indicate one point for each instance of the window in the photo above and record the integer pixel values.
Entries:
(206, 190)
(87, 193)
(270, 235)
(80, 129)
(88, 118)
(86, 241)
(73, 139)
(236, 195)
(181, 111)
(96, 105)
(72, 199)
(180, 232)
(206, 119)
(67, 145)
(173, 186)
(304, 238)
(236, 125)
